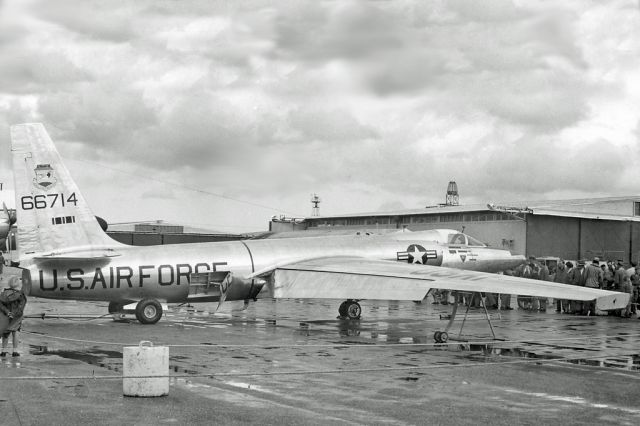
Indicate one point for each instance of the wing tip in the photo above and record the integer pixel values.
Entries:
(613, 301)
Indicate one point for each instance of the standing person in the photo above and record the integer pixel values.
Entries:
(505, 299)
(592, 280)
(543, 275)
(1, 262)
(627, 288)
(12, 303)
(609, 272)
(619, 276)
(578, 278)
(635, 285)
(527, 270)
(622, 284)
(566, 304)
(632, 269)
(561, 277)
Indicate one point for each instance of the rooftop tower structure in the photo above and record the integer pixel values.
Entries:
(453, 199)
(315, 202)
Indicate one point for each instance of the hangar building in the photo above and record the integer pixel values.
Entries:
(159, 232)
(571, 229)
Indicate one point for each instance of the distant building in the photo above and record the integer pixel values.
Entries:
(572, 229)
(149, 233)
(159, 232)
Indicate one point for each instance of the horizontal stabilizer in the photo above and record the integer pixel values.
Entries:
(76, 257)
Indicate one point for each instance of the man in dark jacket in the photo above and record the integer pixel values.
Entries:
(593, 279)
(578, 277)
(12, 303)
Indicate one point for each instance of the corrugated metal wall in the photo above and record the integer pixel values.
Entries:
(635, 241)
(605, 238)
(552, 236)
(575, 238)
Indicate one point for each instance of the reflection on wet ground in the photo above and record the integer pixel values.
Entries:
(277, 334)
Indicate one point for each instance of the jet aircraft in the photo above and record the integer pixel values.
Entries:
(65, 254)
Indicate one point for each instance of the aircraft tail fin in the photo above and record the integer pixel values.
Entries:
(52, 215)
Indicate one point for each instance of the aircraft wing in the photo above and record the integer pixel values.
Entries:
(358, 278)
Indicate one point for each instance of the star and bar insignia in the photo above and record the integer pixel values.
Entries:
(417, 254)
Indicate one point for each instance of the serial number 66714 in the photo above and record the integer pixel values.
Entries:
(42, 201)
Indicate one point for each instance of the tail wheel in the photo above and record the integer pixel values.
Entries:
(148, 311)
(353, 310)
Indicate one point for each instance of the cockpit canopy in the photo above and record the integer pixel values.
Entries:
(442, 236)
(459, 238)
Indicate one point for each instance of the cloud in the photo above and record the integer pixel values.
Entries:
(366, 103)
(104, 116)
(21, 61)
(87, 18)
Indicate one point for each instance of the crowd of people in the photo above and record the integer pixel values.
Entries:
(610, 275)
(595, 274)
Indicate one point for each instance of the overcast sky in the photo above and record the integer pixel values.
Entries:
(158, 107)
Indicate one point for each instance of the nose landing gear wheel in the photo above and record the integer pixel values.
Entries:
(441, 336)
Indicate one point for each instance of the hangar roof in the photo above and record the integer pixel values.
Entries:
(609, 208)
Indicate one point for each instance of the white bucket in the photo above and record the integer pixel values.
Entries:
(140, 362)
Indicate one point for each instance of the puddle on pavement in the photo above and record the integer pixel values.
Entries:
(556, 352)
(111, 360)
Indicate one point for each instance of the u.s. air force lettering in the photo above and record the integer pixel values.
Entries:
(121, 276)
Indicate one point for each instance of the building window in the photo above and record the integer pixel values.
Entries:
(636, 208)
(451, 218)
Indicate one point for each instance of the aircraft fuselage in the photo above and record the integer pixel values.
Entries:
(164, 272)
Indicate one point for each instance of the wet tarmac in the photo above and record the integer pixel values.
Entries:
(294, 362)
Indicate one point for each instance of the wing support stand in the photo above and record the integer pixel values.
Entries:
(443, 336)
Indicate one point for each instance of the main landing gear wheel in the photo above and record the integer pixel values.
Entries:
(350, 309)
(342, 310)
(148, 311)
(354, 310)
(441, 336)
